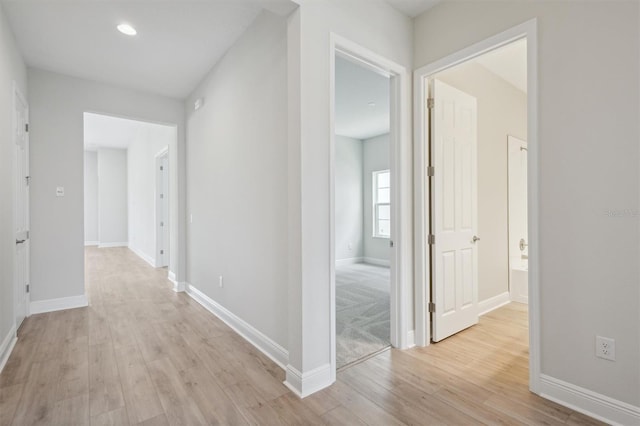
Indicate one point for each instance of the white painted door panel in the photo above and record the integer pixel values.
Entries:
(454, 210)
(21, 214)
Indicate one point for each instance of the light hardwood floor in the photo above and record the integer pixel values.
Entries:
(141, 354)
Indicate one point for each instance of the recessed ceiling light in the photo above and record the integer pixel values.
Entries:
(127, 29)
(371, 104)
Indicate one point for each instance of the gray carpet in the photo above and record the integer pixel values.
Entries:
(362, 311)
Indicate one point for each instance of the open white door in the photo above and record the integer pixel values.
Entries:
(162, 210)
(454, 210)
(21, 215)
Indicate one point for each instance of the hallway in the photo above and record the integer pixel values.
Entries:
(142, 354)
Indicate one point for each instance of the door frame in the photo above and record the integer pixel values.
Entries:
(17, 95)
(528, 31)
(401, 289)
(159, 206)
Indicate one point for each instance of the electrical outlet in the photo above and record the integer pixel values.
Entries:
(605, 348)
(221, 282)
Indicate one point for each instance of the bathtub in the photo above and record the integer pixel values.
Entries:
(519, 280)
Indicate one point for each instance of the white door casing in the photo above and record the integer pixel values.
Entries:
(454, 210)
(21, 198)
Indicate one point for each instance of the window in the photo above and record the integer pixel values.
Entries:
(382, 204)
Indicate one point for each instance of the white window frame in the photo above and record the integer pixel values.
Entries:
(376, 204)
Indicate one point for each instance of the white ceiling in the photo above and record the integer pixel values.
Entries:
(178, 41)
(356, 88)
(103, 131)
(508, 63)
(413, 8)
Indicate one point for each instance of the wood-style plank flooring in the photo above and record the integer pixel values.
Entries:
(141, 354)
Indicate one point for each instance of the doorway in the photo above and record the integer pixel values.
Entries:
(362, 213)
(465, 155)
(127, 186)
(21, 213)
(400, 240)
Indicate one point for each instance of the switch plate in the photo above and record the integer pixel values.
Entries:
(605, 348)
(60, 191)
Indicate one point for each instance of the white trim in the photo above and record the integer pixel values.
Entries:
(349, 261)
(528, 31)
(377, 262)
(178, 287)
(91, 243)
(150, 260)
(591, 403)
(51, 305)
(109, 245)
(274, 351)
(305, 384)
(7, 346)
(493, 303)
(411, 339)
(401, 197)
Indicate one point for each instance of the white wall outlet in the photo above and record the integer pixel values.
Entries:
(221, 282)
(60, 191)
(605, 348)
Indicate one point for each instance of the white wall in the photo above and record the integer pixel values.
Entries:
(502, 111)
(588, 91)
(112, 197)
(141, 166)
(381, 29)
(91, 197)
(12, 69)
(376, 158)
(349, 208)
(237, 180)
(57, 105)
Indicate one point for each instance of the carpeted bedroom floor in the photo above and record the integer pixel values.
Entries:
(362, 311)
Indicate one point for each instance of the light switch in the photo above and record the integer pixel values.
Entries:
(60, 191)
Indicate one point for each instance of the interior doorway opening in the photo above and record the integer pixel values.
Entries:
(425, 123)
(128, 180)
(362, 211)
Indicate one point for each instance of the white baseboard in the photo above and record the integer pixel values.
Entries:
(91, 243)
(7, 345)
(377, 262)
(349, 261)
(51, 305)
(150, 260)
(274, 351)
(411, 339)
(178, 287)
(109, 245)
(591, 403)
(305, 384)
(493, 303)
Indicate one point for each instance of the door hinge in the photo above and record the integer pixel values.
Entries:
(26, 127)
(161, 196)
(27, 288)
(431, 103)
(432, 307)
(431, 239)
(27, 235)
(161, 251)
(431, 171)
(161, 168)
(161, 223)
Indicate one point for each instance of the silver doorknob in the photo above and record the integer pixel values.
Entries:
(474, 239)
(523, 244)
